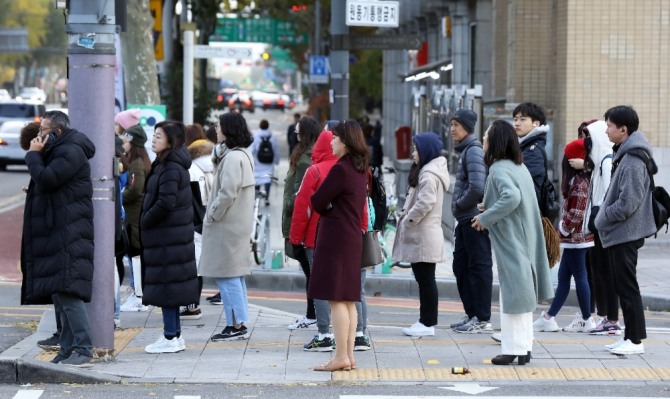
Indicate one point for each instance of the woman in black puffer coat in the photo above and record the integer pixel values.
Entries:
(169, 276)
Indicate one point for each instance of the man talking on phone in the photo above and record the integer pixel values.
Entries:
(57, 245)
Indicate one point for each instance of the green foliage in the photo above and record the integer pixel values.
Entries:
(365, 85)
(204, 100)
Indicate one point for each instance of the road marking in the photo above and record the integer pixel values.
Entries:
(12, 202)
(471, 388)
(187, 397)
(28, 394)
(483, 397)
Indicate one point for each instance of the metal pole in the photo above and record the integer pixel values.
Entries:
(91, 64)
(189, 49)
(339, 64)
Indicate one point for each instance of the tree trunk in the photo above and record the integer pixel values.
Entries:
(137, 49)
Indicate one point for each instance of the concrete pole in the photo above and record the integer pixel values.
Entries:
(339, 64)
(91, 64)
(189, 50)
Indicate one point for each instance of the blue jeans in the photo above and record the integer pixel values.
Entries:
(321, 307)
(573, 263)
(75, 335)
(171, 324)
(234, 298)
(362, 306)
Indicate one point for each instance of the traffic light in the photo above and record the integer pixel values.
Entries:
(295, 8)
(265, 56)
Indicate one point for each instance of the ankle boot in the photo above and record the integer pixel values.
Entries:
(528, 357)
(504, 360)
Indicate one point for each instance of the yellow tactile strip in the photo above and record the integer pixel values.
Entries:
(504, 373)
(122, 338)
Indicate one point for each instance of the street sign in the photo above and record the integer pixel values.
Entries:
(373, 13)
(261, 30)
(318, 69)
(204, 51)
(390, 42)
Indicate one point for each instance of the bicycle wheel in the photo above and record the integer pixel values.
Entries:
(261, 240)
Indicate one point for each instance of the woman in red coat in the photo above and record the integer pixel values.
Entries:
(336, 272)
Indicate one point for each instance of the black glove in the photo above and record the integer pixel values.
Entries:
(592, 219)
(299, 253)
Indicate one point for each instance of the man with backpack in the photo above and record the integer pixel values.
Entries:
(625, 219)
(472, 265)
(266, 157)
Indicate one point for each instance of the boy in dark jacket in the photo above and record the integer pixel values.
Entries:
(472, 266)
(530, 126)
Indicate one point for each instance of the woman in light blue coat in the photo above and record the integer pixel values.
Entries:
(512, 216)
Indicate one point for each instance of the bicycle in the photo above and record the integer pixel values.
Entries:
(260, 231)
(390, 228)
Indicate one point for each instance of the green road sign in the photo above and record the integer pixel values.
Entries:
(260, 30)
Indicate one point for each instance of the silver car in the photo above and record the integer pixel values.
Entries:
(11, 152)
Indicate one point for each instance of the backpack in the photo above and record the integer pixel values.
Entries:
(660, 200)
(549, 205)
(266, 154)
(377, 193)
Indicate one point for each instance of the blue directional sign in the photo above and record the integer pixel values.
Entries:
(318, 69)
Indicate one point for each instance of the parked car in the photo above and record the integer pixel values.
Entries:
(241, 101)
(32, 93)
(22, 111)
(4, 95)
(224, 96)
(11, 152)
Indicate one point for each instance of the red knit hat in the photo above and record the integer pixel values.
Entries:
(575, 149)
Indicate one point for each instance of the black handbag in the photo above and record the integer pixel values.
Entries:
(372, 249)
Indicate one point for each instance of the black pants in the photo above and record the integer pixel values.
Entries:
(424, 274)
(602, 287)
(624, 272)
(301, 256)
(473, 269)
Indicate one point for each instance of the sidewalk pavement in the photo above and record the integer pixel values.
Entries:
(274, 354)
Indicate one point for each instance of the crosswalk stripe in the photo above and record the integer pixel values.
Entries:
(28, 394)
(187, 397)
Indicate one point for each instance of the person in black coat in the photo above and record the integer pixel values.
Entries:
(169, 275)
(57, 245)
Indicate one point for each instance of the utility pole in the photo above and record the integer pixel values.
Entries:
(339, 64)
(91, 25)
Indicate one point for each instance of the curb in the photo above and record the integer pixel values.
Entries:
(28, 371)
(402, 287)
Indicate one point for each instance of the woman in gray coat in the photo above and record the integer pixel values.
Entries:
(512, 216)
(420, 239)
(228, 222)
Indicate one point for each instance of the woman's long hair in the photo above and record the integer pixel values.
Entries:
(351, 135)
(174, 130)
(136, 152)
(194, 132)
(308, 132)
(502, 144)
(234, 127)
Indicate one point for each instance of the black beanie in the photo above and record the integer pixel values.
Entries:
(467, 118)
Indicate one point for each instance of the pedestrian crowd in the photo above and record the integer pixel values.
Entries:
(185, 209)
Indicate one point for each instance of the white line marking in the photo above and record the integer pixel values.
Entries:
(28, 394)
(187, 397)
(482, 397)
(471, 388)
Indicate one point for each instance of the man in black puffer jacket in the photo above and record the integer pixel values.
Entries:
(530, 126)
(472, 266)
(57, 245)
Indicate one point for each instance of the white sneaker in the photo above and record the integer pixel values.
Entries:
(182, 343)
(117, 323)
(164, 345)
(614, 345)
(133, 304)
(580, 325)
(598, 320)
(543, 324)
(418, 330)
(496, 337)
(628, 348)
(302, 323)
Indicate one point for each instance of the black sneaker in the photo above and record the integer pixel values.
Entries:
(76, 359)
(215, 299)
(362, 343)
(188, 314)
(231, 333)
(326, 344)
(59, 358)
(51, 343)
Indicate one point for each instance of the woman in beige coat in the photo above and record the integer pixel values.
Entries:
(228, 222)
(419, 239)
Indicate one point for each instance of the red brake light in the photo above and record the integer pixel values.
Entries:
(219, 98)
(280, 102)
(2, 142)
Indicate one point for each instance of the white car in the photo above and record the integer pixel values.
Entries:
(32, 93)
(4, 95)
(11, 152)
